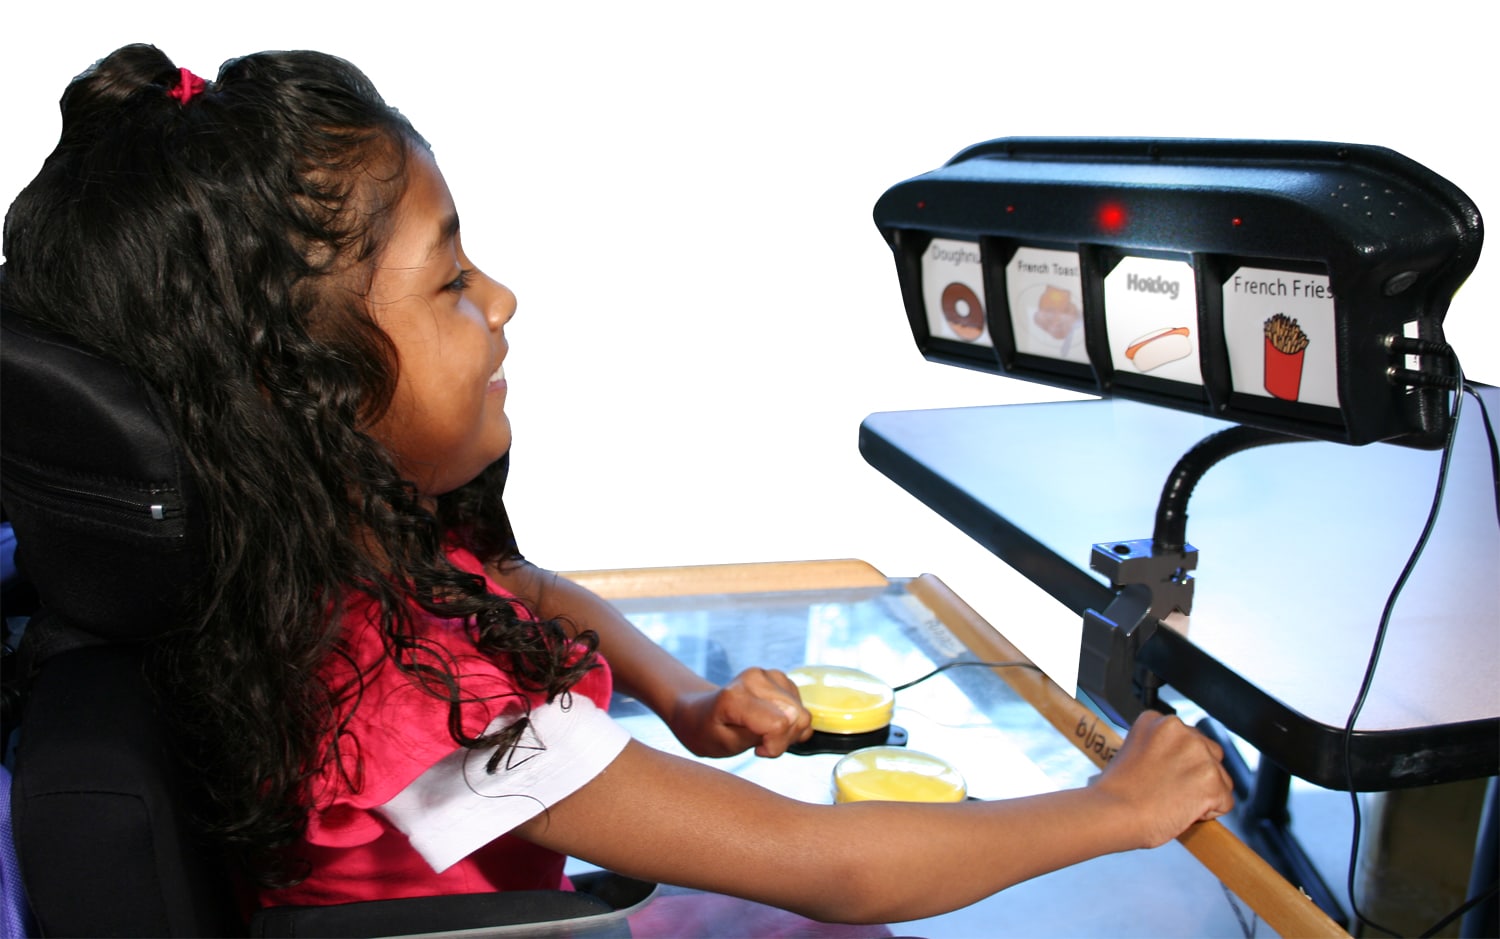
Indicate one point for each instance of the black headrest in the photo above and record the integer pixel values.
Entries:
(108, 528)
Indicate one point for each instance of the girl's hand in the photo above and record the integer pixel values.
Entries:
(1168, 776)
(760, 708)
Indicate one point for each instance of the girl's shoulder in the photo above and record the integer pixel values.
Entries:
(365, 647)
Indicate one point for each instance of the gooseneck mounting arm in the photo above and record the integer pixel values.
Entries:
(1152, 579)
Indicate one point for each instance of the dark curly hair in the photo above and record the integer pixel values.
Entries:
(221, 249)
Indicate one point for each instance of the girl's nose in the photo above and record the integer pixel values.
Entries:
(500, 306)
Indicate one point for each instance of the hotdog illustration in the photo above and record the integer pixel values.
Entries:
(1157, 348)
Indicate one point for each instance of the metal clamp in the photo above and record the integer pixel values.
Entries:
(1150, 584)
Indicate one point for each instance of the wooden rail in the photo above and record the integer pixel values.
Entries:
(1282, 906)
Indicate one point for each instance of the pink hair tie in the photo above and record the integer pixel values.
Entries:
(188, 86)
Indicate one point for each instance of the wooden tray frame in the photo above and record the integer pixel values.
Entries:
(1284, 908)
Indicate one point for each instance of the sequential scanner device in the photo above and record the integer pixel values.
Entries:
(1296, 289)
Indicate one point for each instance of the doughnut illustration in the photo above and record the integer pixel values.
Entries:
(963, 311)
(1157, 348)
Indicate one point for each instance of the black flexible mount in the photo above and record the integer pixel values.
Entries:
(1152, 579)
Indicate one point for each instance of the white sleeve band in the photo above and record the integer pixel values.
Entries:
(456, 807)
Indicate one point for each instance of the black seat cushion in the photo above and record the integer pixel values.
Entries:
(102, 812)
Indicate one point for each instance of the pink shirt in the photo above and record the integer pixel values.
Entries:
(422, 817)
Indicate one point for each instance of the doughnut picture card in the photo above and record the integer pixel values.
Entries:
(953, 291)
(1045, 291)
(1151, 316)
(1279, 329)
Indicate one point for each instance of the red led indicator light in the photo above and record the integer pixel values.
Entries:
(1112, 216)
(921, 205)
(1237, 222)
(1009, 209)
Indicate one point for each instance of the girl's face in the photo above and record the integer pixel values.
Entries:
(447, 320)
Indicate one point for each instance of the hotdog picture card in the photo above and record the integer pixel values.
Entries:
(1280, 334)
(953, 291)
(1045, 290)
(1151, 317)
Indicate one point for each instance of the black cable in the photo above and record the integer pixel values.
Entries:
(1472, 902)
(1413, 345)
(1380, 632)
(1489, 434)
(947, 665)
(1248, 927)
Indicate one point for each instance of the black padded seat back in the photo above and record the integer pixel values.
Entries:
(105, 514)
(106, 534)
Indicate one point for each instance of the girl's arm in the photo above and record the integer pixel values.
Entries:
(760, 708)
(659, 818)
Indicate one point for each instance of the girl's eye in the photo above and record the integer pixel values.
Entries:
(460, 283)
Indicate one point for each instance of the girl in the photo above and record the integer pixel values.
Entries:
(386, 699)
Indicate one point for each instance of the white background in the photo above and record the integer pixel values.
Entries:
(680, 194)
